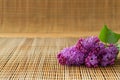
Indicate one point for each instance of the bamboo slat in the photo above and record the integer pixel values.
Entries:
(35, 58)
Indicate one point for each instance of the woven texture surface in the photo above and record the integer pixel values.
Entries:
(35, 58)
(58, 16)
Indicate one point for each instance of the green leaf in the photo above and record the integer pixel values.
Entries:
(106, 35)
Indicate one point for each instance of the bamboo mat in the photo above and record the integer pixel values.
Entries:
(35, 58)
(58, 16)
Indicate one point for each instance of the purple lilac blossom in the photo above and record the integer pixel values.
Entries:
(71, 56)
(108, 55)
(89, 51)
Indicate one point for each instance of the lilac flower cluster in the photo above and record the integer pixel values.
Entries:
(89, 51)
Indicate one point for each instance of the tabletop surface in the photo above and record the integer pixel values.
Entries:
(35, 58)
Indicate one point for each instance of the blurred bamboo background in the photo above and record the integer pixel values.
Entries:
(58, 16)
